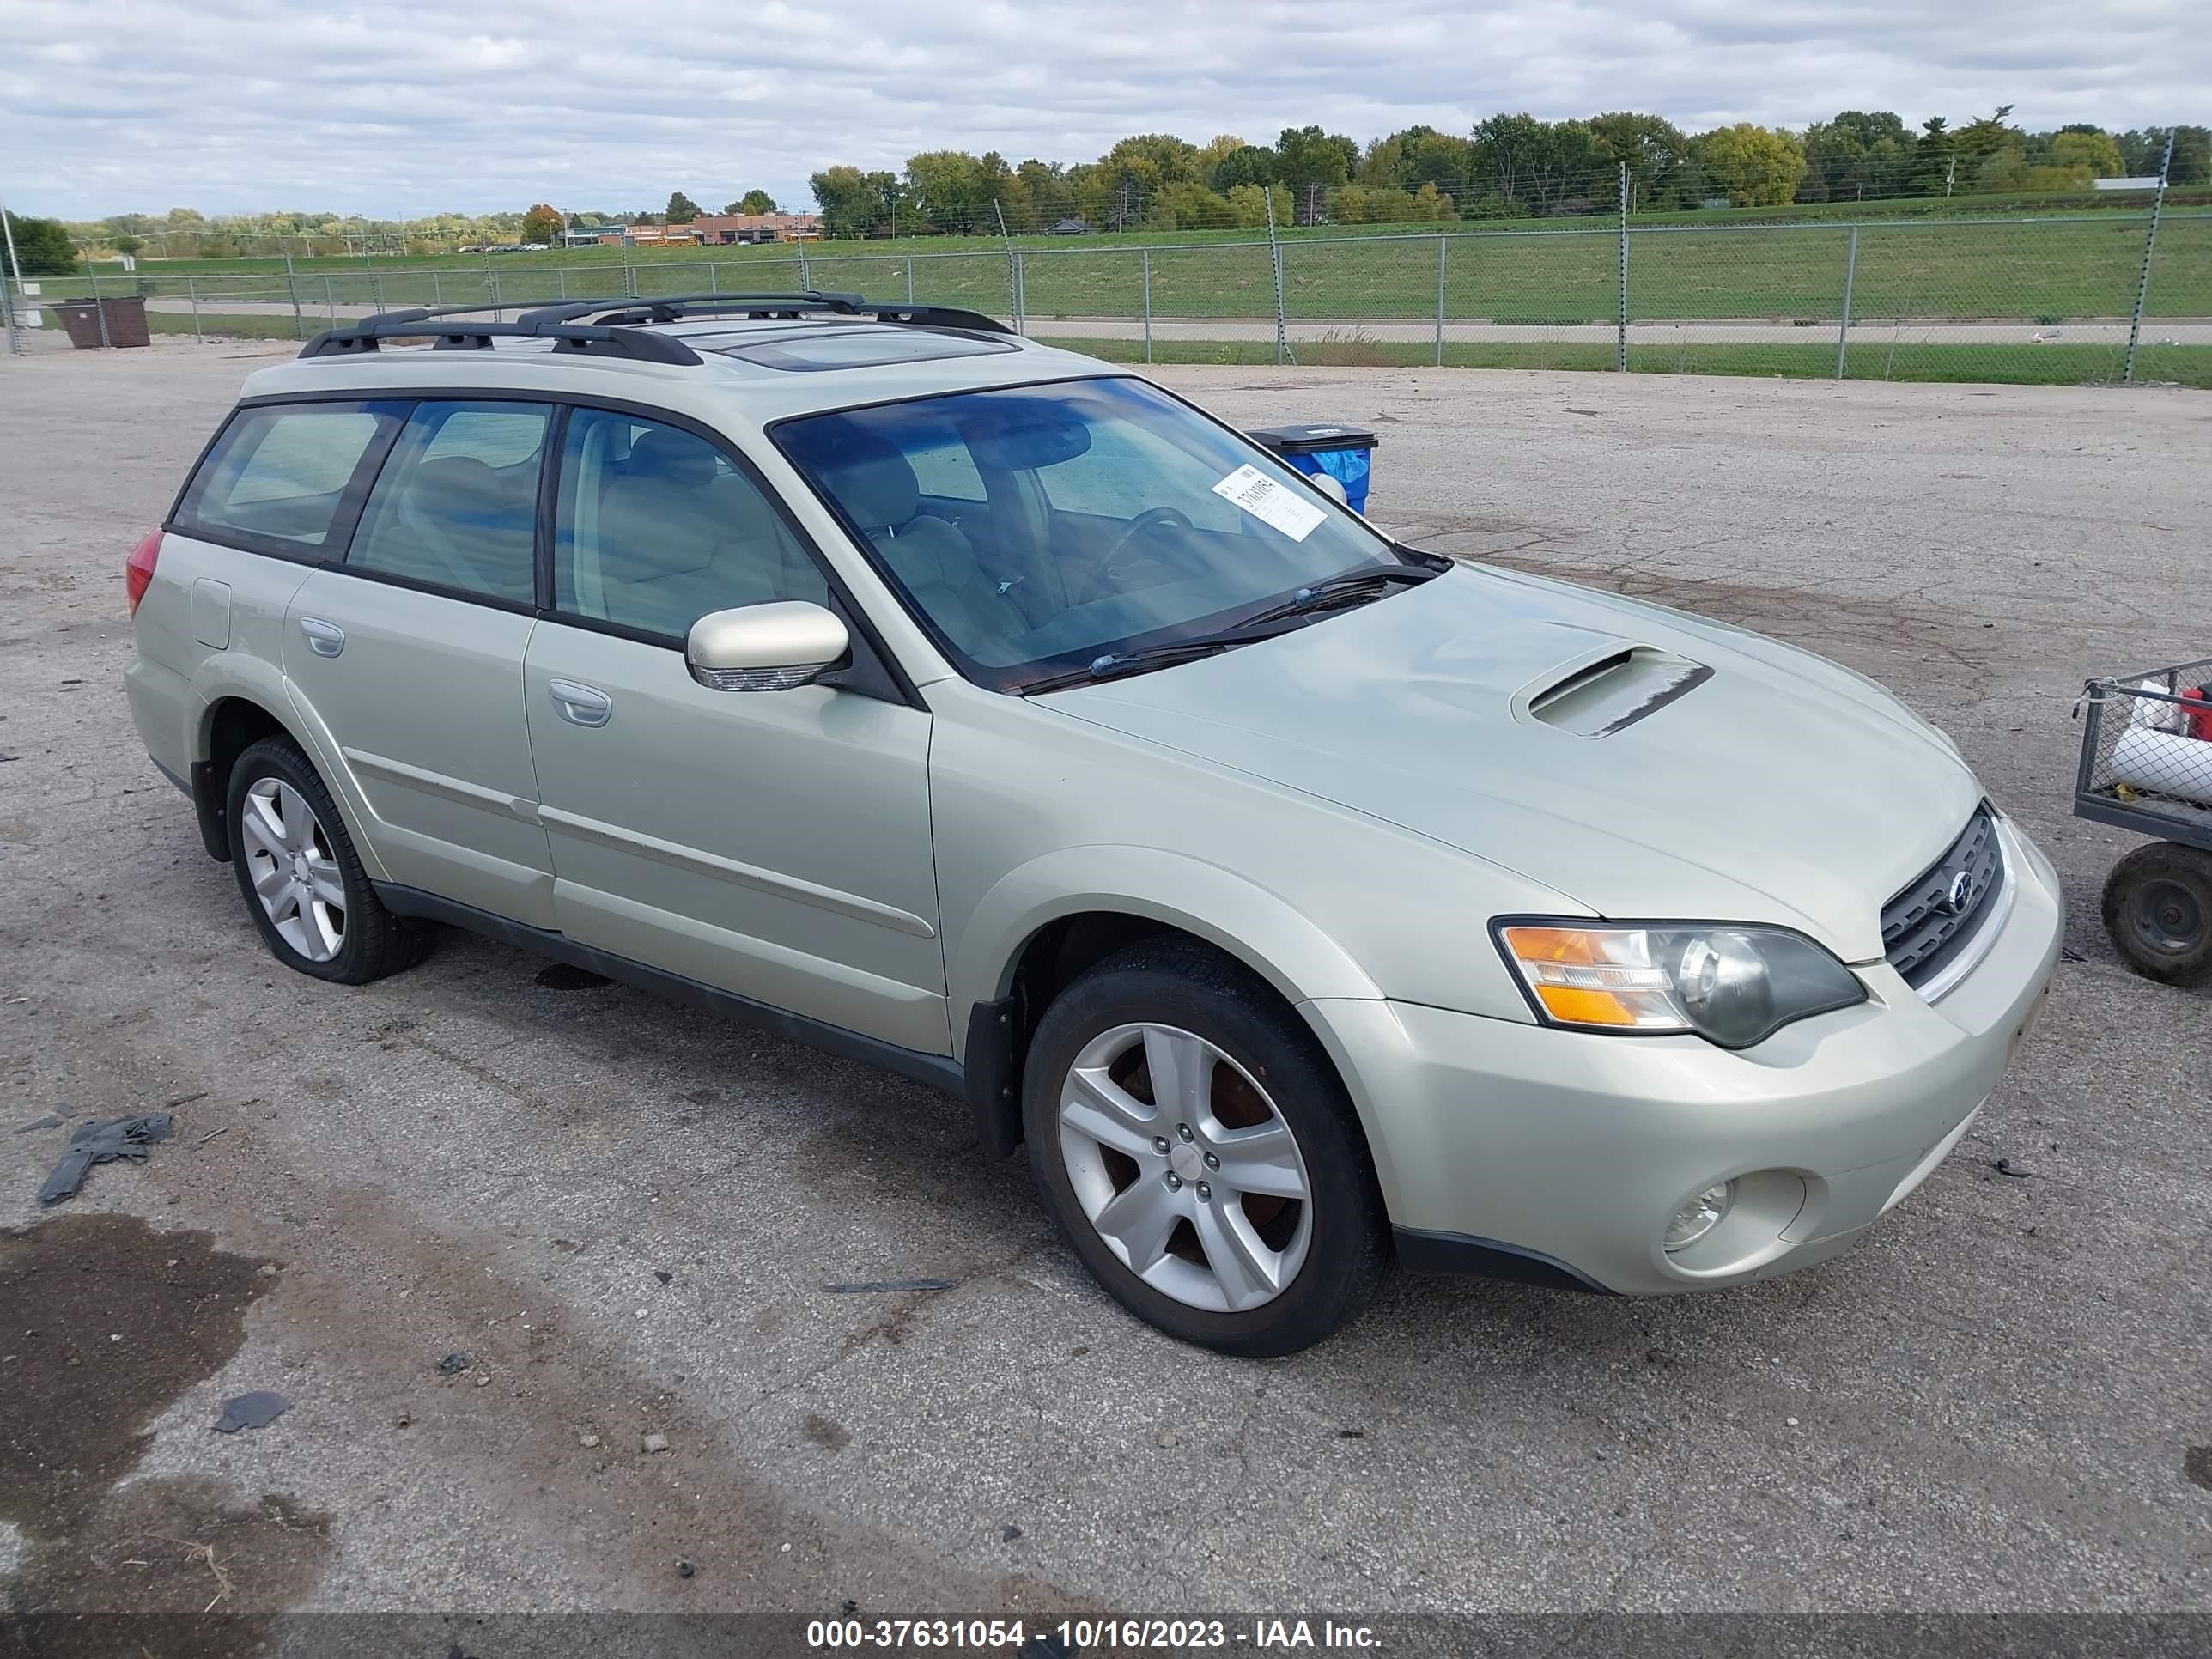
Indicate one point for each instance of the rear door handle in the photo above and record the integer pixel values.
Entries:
(580, 705)
(324, 639)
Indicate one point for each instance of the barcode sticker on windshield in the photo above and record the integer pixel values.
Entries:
(1269, 502)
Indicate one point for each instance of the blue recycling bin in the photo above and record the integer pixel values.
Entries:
(1345, 453)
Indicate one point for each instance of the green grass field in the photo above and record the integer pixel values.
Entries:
(1992, 267)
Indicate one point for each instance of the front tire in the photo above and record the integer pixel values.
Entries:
(2158, 909)
(302, 878)
(1199, 1152)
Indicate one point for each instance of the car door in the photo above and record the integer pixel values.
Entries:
(771, 844)
(409, 656)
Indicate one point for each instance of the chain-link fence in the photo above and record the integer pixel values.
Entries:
(2052, 299)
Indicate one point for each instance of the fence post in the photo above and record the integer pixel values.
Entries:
(1844, 328)
(560, 276)
(99, 309)
(714, 279)
(909, 279)
(497, 314)
(192, 294)
(1283, 352)
(1013, 268)
(1620, 329)
(2150, 242)
(10, 276)
(1443, 243)
(1147, 252)
(330, 299)
(291, 287)
(437, 292)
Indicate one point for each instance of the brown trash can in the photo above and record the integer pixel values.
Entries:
(126, 322)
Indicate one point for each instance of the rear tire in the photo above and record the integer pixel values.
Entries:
(2158, 909)
(1240, 1212)
(301, 877)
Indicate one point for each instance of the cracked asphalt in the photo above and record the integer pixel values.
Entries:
(624, 1216)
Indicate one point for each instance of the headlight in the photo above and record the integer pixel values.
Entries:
(1733, 985)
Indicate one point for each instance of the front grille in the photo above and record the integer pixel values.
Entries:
(1935, 917)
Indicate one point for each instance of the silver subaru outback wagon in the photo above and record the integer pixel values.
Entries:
(1302, 901)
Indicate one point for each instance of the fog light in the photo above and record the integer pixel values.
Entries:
(1699, 1216)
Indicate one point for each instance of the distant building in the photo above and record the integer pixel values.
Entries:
(661, 235)
(2150, 183)
(1070, 228)
(722, 229)
(593, 236)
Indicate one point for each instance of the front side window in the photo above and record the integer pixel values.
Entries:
(1118, 519)
(280, 473)
(656, 527)
(455, 506)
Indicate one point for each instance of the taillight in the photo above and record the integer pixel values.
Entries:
(138, 570)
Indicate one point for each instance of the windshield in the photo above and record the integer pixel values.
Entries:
(1033, 529)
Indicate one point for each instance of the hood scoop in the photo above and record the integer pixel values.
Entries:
(1610, 690)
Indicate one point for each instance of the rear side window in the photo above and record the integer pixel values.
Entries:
(455, 505)
(286, 477)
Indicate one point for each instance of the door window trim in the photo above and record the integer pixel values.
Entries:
(352, 499)
(875, 670)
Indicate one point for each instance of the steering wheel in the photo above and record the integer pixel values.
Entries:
(1104, 574)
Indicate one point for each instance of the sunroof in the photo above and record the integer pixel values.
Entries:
(820, 347)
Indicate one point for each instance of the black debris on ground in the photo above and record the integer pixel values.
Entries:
(453, 1365)
(889, 1287)
(562, 976)
(256, 1410)
(103, 1142)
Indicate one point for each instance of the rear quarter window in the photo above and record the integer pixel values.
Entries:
(287, 478)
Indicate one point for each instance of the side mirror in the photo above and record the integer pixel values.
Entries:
(1330, 486)
(765, 647)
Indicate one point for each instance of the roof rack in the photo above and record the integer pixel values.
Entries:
(357, 338)
(619, 325)
(672, 307)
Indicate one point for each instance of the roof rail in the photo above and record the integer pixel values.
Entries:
(671, 307)
(356, 338)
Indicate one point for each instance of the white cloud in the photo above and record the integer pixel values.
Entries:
(108, 106)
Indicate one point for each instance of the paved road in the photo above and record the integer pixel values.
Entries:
(1925, 332)
(1990, 1405)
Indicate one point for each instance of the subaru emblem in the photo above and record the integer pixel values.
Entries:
(1961, 893)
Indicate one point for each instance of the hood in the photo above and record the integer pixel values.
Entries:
(1642, 763)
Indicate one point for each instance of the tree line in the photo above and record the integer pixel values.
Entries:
(1506, 166)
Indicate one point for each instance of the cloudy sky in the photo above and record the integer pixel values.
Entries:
(232, 106)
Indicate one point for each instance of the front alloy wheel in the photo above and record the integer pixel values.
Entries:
(1185, 1168)
(1199, 1153)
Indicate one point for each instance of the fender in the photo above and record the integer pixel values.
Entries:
(1242, 918)
(236, 674)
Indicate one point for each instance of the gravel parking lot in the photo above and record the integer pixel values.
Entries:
(625, 1216)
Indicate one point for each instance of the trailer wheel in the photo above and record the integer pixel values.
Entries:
(2158, 909)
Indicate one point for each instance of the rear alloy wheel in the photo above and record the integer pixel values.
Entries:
(302, 880)
(1199, 1154)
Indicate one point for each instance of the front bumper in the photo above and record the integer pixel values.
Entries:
(1560, 1155)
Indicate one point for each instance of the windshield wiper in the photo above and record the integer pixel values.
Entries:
(1351, 584)
(1115, 665)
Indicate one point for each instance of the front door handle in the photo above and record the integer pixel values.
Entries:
(580, 705)
(324, 639)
